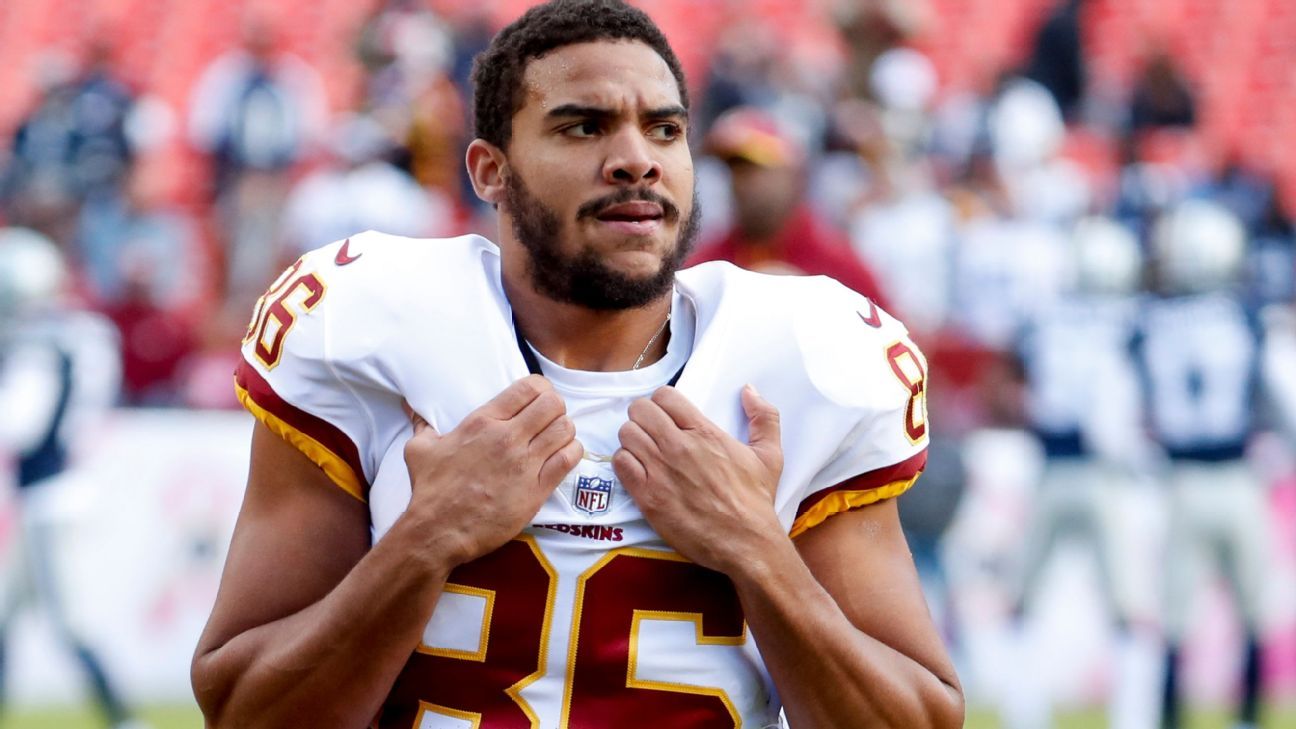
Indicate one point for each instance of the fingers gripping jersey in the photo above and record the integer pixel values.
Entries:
(849, 384)
(587, 619)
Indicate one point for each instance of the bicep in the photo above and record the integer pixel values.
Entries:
(862, 559)
(297, 537)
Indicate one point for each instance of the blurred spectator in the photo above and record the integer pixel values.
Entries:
(358, 189)
(741, 72)
(473, 30)
(257, 111)
(1027, 133)
(156, 342)
(256, 108)
(901, 225)
(1057, 58)
(409, 53)
(400, 45)
(59, 373)
(1162, 96)
(135, 233)
(141, 268)
(1158, 170)
(877, 150)
(1271, 258)
(72, 146)
(1246, 192)
(909, 240)
(103, 105)
(904, 85)
(774, 229)
(436, 137)
(752, 68)
(1022, 261)
(869, 29)
(1269, 274)
(39, 186)
(1014, 198)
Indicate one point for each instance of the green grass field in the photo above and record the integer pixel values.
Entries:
(185, 717)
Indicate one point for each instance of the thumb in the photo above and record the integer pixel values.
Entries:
(763, 426)
(420, 424)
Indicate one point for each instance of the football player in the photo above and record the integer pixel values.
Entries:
(1082, 402)
(60, 370)
(555, 483)
(1201, 353)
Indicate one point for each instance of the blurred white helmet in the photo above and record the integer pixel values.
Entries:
(1026, 126)
(1199, 246)
(1108, 257)
(31, 272)
(904, 80)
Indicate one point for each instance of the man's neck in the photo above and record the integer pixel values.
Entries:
(579, 338)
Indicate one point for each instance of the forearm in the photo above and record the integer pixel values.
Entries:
(334, 662)
(828, 672)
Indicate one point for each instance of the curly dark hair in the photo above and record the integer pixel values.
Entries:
(498, 70)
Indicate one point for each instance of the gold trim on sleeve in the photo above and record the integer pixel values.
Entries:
(333, 465)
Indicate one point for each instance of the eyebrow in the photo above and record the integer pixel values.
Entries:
(673, 111)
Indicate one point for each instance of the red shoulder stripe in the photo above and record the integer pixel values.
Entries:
(324, 432)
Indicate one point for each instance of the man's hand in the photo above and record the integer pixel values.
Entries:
(708, 495)
(477, 486)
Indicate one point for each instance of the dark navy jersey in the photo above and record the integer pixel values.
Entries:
(49, 456)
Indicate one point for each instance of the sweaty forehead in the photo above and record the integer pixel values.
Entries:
(607, 74)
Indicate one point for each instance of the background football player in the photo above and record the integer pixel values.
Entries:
(1082, 402)
(59, 371)
(1201, 353)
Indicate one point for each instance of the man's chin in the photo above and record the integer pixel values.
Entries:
(618, 283)
(636, 263)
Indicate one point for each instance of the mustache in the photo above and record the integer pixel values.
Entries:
(591, 209)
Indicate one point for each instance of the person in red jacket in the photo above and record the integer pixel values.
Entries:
(775, 230)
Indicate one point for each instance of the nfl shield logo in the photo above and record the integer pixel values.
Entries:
(593, 494)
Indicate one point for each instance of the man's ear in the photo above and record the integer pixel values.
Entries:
(487, 166)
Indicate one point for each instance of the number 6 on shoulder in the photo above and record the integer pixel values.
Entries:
(285, 300)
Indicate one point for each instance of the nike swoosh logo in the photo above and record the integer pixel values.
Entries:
(343, 257)
(872, 319)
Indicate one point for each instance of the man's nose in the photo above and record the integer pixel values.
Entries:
(630, 159)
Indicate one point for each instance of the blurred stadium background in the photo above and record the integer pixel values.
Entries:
(180, 152)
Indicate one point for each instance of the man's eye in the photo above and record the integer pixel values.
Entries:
(583, 129)
(665, 132)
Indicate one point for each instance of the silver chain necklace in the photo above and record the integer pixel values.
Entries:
(652, 341)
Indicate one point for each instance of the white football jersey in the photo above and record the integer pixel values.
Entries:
(60, 375)
(1083, 394)
(588, 618)
(1201, 357)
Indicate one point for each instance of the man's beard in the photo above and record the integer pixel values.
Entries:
(583, 278)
